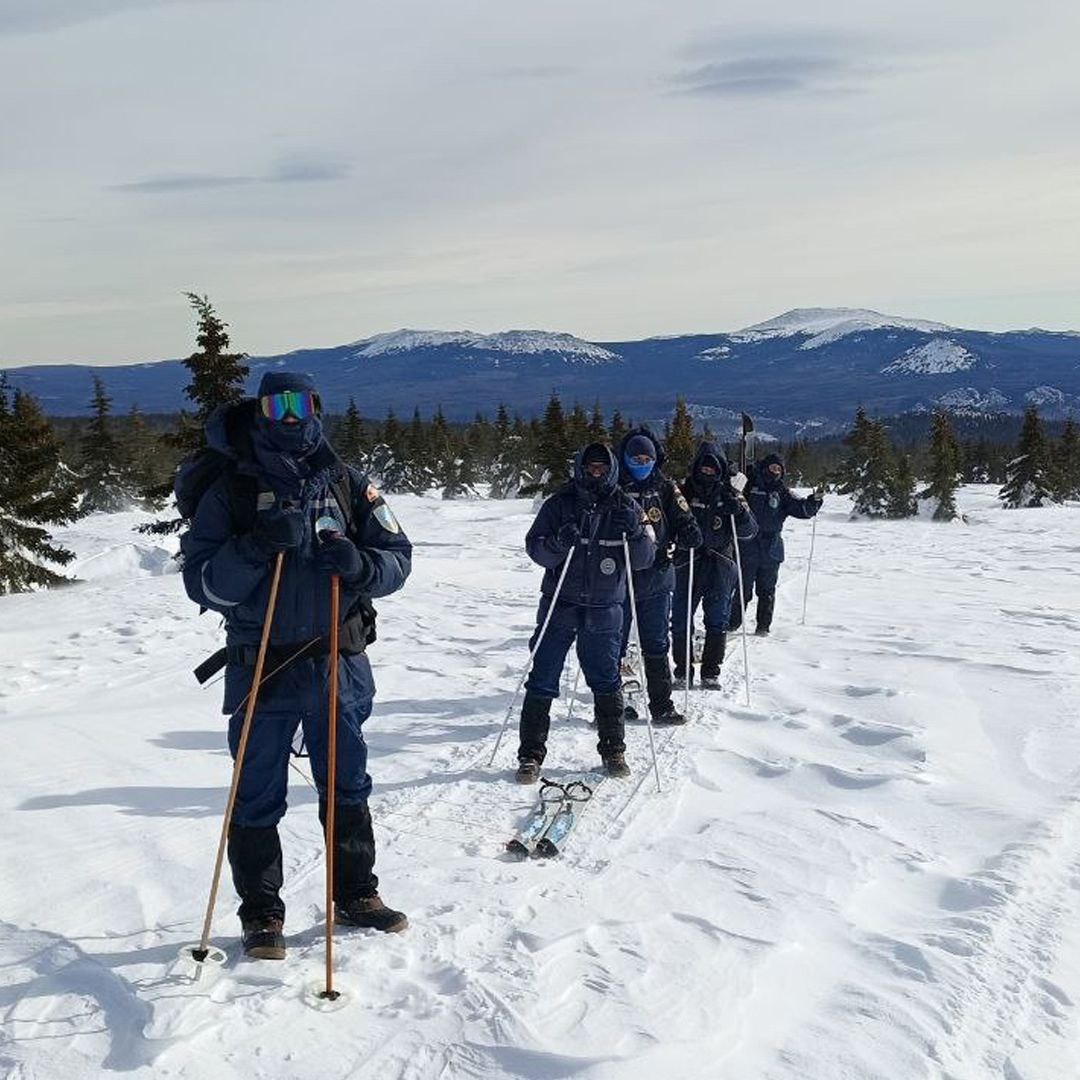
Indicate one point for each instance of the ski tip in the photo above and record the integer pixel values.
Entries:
(516, 849)
(545, 849)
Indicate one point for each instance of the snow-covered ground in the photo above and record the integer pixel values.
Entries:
(871, 872)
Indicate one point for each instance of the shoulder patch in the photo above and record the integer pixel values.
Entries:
(385, 516)
(681, 503)
(655, 514)
(372, 493)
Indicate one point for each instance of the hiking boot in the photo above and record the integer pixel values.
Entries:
(528, 772)
(667, 714)
(615, 764)
(712, 656)
(370, 913)
(761, 631)
(766, 604)
(264, 939)
(710, 684)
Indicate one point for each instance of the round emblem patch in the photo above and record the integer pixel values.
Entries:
(718, 523)
(774, 500)
(607, 566)
(655, 514)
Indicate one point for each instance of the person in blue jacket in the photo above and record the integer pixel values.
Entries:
(714, 502)
(641, 460)
(585, 521)
(277, 454)
(772, 502)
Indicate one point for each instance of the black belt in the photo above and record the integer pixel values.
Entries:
(352, 640)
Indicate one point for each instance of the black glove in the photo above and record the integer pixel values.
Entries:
(627, 519)
(278, 529)
(568, 535)
(339, 555)
(730, 505)
(688, 534)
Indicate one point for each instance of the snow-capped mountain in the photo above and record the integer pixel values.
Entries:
(807, 370)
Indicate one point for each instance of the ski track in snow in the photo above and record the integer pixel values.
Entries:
(871, 872)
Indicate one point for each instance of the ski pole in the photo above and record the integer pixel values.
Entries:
(809, 563)
(532, 654)
(200, 954)
(641, 653)
(742, 605)
(689, 632)
(331, 784)
(573, 694)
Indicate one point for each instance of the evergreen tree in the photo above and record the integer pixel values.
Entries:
(148, 464)
(104, 466)
(1067, 462)
(597, 432)
(850, 474)
(680, 444)
(553, 449)
(902, 502)
(1028, 480)
(945, 468)
(577, 428)
(350, 438)
(619, 428)
(867, 472)
(36, 491)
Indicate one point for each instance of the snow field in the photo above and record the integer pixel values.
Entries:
(870, 873)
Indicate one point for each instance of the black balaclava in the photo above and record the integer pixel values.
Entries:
(596, 488)
(708, 484)
(765, 478)
(281, 448)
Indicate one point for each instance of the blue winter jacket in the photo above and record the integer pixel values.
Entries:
(772, 502)
(597, 573)
(713, 504)
(225, 571)
(666, 511)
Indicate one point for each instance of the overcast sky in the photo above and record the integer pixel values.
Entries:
(331, 169)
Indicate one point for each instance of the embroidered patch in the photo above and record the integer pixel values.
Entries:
(681, 503)
(607, 566)
(655, 514)
(372, 493)
(774, 500)
(265, 500)
(718, 523)
(385, 517)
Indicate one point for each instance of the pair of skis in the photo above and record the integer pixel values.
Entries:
(545, 830)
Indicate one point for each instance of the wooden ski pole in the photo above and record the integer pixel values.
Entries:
(641, 653)
(200, 954)
(331, 782)
(809, 563)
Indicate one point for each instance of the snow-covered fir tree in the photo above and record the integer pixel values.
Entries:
(867, 471)
(104, 467)
(945, 467)
(36, 491)
(1028, 479)
(1066, 462)
(902, 502)
(680, 443)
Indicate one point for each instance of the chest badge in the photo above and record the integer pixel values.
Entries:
(655, 514)
(774, 501)
(607, 566)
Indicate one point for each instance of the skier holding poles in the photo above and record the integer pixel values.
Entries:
(717, 507)
(270, 491)
(577, 538)
(772, 503)
(641, 460)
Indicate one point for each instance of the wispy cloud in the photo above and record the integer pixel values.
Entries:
(294, 170)
(763, 75)
(537, 71)
(164, 185)
(36, 16)
(306, 170)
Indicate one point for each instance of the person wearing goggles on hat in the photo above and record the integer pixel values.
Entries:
(284, 490)
(714, 503)
(772, 502)
(589, 516)
(641, 459)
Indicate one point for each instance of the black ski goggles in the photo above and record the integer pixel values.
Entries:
(299, 404)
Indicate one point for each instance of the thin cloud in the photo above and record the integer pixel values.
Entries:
(38, 16)
(164, 185)
(287, 171)
(763, 75)
(306, 171)
(538, 71)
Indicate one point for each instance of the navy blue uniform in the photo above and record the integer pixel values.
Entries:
(589, 519)
(772, 503)
(713, 503)
(227, 570)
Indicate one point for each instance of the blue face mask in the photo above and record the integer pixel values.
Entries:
(638, 472)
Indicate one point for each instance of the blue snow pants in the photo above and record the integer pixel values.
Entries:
(653, 612)
(598, 632)
(716, 581)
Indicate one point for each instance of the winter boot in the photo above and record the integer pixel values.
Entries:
(255, 860)
(370, 913)
(765, 604)
(658, 676)
(678, 653)
(611, 731)
(263, 938)
(532, 736)
(712, 657)
(354, 850)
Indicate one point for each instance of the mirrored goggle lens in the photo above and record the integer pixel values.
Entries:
(298, 403)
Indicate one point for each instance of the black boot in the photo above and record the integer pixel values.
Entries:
(255, 860)
(658, 676)
(678, 655)
(533, 733)
(369, 912)
(765, 604)
(611, 731)
(712, 657)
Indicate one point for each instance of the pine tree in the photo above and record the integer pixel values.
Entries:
(515, 468)
(1067, 462)
(867, 473)
(619, 428)
(554, 449)
(350, 439)
(36, 490)
(901, 501)
(597, 432)
(577, 428)
(680, 445)
(849, 476)
(148, 466)
(1028, 480)
(104, 467)
(945, 467)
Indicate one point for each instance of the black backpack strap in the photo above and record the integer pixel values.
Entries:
(243, 491)
(341, 485)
